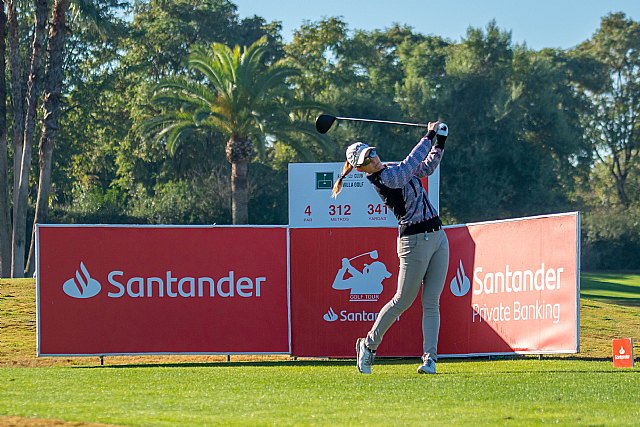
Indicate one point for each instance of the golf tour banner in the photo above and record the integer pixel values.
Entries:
(358, 205)
(512, 287)
(142, 289)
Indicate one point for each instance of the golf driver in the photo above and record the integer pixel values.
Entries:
(373, 254)
(325, 121)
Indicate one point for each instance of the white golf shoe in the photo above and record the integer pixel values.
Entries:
(428, 366)
(364, 356)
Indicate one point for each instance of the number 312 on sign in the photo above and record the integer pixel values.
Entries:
(339, 210)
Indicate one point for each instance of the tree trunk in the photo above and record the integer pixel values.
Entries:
(51, 102)
(20, 202)
(239, 152)
(239, 195)
(5, 217)
(17, 93)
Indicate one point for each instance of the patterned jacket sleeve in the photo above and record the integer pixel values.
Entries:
(429, 165)
(421, 161)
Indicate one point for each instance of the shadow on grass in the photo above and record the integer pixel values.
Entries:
(319, 363)
(629, 294)
(249, 364)
(623, 301)
(626, 302)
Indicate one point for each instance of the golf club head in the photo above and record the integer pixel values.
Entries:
(374, 254)
(324, 123)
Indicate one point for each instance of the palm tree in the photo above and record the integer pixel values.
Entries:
(240, 97)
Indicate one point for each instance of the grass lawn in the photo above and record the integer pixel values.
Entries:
(579, 389)
(516, 392)
(618, 288)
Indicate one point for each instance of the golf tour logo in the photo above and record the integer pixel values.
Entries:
(82, 285)
(365, 284)
(460, 284)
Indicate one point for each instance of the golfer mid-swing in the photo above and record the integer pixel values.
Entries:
(423, 248)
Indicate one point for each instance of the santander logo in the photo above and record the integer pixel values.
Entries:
(83, 285)
(330, 316)
(118, 284)
(622, 354)
(460, 285)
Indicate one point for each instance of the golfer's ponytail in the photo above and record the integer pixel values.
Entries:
(337, 187)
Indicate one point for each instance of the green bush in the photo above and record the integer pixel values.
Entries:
(94, 205)
(611, 239)
(204, 200)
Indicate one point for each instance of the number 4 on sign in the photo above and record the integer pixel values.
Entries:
(307, 212)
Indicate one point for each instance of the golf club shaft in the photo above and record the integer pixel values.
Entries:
(373, 254)
(353, 119)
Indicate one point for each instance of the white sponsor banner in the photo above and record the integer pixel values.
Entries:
(358, 205)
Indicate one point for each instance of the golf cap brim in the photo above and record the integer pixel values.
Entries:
(357, 153)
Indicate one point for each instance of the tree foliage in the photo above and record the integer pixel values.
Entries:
(532, 132)
(239, 96)
(613, 123)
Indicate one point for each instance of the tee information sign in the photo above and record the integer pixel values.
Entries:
(358, 205)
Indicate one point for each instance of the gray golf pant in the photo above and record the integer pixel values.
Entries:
(424, 260)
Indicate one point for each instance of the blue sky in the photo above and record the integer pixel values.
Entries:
(541, 23)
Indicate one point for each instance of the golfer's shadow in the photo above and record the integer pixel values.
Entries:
(463, 331)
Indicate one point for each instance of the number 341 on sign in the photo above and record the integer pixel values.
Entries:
(379, 209)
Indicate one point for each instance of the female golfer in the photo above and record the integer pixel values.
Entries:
(423, 248)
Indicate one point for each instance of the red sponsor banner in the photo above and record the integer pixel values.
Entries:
(512, 287)
(129, 290)
(332, 305)
(622, 352)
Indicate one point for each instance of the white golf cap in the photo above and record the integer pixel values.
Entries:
(357, 152)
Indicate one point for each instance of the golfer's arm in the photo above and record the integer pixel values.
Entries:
(398, 175)
(430, 163)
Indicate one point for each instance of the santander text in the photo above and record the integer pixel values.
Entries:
(185, 287)
(515, 281)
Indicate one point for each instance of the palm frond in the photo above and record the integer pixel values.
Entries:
(95, 18)
(242, 97)
(225, 58)
(219, 121)
(175, 134)
(209, 67)
(274, 77)
(287, 133)
(182, 91)
(250, 62)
